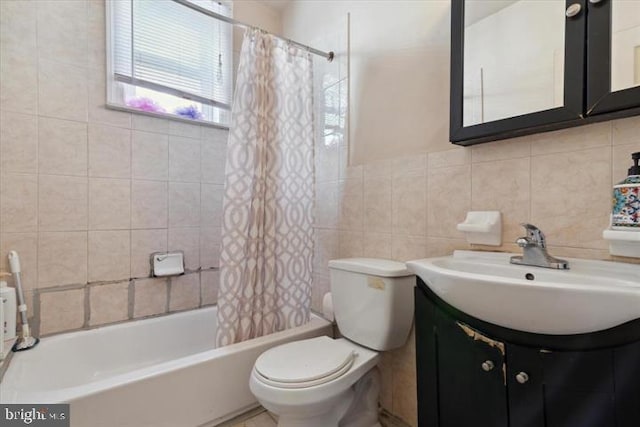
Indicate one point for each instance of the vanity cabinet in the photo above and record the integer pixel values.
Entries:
(526, 66)
(468, 377)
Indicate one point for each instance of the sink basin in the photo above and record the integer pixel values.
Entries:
(591, 296)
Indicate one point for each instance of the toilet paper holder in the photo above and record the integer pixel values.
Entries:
(327, 307)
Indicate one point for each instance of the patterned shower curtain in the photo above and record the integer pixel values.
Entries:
(267, 225)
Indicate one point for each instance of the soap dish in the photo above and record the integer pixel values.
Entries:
(167, 263)
(483, 228)
(623, 242)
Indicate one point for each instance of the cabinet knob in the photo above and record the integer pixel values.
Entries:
(487, 365)
(573, 10)
(522, 377)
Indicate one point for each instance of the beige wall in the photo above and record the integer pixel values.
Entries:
(399, 60)
(253, 12)
(406, 187)
(86, 193)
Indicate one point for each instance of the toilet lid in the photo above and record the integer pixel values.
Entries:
(304, 363)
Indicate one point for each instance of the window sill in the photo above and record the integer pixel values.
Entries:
(165, 116)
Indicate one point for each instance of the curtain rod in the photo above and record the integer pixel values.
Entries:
(187, 3)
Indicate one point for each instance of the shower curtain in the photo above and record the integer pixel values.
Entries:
(267, 225)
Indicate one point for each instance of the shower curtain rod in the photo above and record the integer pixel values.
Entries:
(187, 3)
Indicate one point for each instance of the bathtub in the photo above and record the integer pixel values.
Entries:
(157, 372)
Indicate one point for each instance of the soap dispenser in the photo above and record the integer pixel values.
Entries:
(626, 199)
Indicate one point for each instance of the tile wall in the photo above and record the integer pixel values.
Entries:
(87, 193)
(401, 196)
(408, 208)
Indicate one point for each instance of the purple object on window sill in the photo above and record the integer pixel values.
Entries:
(190, 112)
(145, 104)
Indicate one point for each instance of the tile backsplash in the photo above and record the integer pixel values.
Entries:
(88, 193)
(409, 207)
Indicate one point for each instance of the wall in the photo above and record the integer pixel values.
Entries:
(257, 13)
(87, 193)
(401, 192)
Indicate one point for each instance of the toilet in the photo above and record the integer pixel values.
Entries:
(326, 382)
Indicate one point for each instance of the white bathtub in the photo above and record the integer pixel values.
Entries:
(155, 372)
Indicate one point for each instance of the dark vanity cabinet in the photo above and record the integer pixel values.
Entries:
(526, 66)
(474, 374)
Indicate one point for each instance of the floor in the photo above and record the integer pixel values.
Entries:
(262, 419)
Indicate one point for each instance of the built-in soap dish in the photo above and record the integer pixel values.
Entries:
(483, 228)
(623, 242)
(167, 264)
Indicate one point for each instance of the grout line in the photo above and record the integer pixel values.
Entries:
(37, 165)
(35, 318)
(88, 188)
(530, 210)
(612, 165)
(131, 299)
(87, 307)
(169, 283)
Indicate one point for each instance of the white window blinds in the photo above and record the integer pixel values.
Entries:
(165, 46)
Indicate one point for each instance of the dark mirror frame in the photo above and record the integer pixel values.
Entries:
(574, 58)
(600, 98)
(587, 85)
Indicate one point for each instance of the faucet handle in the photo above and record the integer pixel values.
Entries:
(535, 235)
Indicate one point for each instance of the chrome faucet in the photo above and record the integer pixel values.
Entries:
(534, 251)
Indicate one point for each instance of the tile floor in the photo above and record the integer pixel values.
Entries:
(265, 419)
(261, 420)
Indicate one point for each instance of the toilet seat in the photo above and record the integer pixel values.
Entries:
(309, 398)
(305, 363)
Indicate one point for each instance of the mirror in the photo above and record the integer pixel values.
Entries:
(514, 58)
(625, 44)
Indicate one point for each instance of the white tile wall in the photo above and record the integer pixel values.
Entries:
(62, 147)
(109, 151)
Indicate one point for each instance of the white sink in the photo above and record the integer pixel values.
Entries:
(591, 296)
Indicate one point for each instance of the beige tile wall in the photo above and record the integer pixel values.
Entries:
(408, 208)
(400, 195)
(87, 193)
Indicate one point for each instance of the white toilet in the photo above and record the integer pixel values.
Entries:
(326, 382)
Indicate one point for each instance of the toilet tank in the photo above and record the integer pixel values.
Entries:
(372, 301)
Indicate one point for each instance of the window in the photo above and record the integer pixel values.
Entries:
(167, 58)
